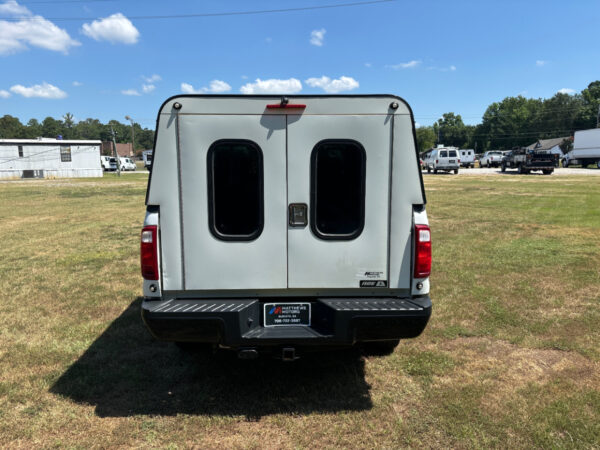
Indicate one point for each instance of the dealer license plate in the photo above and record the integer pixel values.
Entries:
(287, 314)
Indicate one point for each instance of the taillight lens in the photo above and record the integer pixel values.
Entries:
(422, 251)
(148, 253)
(437, 161)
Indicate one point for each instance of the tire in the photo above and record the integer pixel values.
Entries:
(503, 168)
(434, 170)
(428, 169)
(520, 169)
(547, 171)
(380, 348)
(489, 166)
(598, 164)
(455, 171)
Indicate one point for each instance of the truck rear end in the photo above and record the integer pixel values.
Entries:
(285, 223)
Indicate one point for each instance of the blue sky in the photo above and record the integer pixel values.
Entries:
(440, 56)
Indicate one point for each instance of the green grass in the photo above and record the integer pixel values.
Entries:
(511, 357)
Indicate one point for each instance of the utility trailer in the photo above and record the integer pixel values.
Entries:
(527, 160)
(586, 149)
(285, 224)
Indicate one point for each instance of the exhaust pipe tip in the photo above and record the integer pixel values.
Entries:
(248, 353)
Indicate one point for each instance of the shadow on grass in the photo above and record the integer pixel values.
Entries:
(126, 372)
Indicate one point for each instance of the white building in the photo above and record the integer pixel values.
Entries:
(49, 158)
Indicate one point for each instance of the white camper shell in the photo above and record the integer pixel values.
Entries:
(467, 157)
(285, 223)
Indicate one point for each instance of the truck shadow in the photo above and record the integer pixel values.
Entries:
(127, 372)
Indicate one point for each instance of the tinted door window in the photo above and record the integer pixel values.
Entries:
(452, 154)
(338, 189)
(235, 190)
(443, 154)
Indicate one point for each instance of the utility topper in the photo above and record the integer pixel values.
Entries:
(285, 224)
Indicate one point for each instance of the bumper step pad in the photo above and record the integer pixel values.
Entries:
(239, 322)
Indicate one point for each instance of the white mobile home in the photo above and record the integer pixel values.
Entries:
(49, 158)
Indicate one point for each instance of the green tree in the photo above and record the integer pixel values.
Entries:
(587, 116)
(450, 130)
(425, 138)
(51, 128)
(11, 128)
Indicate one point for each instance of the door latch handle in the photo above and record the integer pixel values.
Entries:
(298, 215)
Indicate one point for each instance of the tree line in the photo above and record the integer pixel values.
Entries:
(92, 129)
(517, 122)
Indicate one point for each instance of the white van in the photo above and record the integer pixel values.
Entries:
(446, 159)
(109, 163)
(285, 224)
(126, 163)
(467, 157)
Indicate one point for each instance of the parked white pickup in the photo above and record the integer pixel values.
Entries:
(285, 223)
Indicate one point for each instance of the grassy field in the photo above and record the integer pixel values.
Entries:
(511, 357)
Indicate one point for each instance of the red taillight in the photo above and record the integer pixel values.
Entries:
(422, 251)
(459, 161)
(148, 253)
(437, 161)
(286, 106)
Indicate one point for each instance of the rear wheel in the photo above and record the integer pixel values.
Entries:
(547, 171)
(455, 171)
(503, 167)
(434, 170)
(520, 169)
(428, 169)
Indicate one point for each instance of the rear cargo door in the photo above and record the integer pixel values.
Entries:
(233, 201)
(339, 173)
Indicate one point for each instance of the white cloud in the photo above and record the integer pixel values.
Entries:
(130, 92)
(333, 86)
(367, 64)
(272, 86)
(187, 88)
(4, 94)
(12, 8)
(147, 88)
(152, 78)
(452, 68)
(317, 37)
(32, 31)
(44, 90)
(215, 87)
(407, 65)
(77, 83)
(541, 63)
(566, 91)
(116, 29)
(417, 125)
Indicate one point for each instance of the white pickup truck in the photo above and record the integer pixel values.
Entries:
(492, 158)
(282, 224)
